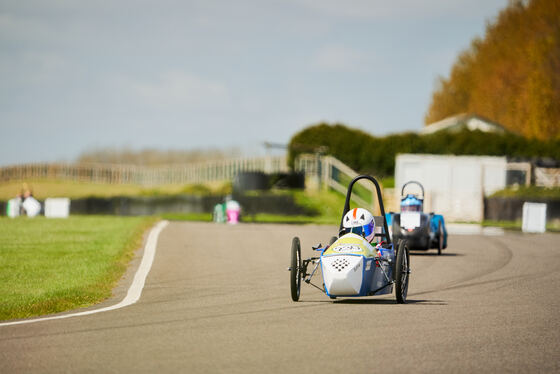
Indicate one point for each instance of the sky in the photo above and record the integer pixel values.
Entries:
(77, 76)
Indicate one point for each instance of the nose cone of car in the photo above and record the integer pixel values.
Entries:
(342, 274)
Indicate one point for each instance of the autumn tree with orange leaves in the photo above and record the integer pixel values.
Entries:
(512, 75)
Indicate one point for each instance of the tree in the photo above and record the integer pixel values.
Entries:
(511, 76)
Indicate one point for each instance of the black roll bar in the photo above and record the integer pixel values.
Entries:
(413, 182)
(379, 198)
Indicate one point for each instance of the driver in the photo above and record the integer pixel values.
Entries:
(411, 204)
(359, 221)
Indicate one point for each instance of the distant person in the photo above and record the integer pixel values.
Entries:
(219, 213)
(30, 205)
(23, 194)
(233, 210)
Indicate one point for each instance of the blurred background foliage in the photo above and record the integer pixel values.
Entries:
(376, 155)
(511, 75)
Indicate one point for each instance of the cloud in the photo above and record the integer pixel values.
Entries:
(32, 69)
(178, 89)
(339, 58)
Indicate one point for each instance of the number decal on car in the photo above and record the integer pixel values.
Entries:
(347, 248)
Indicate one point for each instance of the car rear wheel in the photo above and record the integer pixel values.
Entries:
(440, 239)
(402, 272)
(295, 269)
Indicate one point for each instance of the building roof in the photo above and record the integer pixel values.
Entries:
(459, 122)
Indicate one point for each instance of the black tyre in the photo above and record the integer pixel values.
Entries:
(295, 269)
(402, 272)
(396, 229)
(440, 238)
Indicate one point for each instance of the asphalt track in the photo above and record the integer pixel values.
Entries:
(217, 299)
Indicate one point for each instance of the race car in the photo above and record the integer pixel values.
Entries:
(422, 231)
(361, 261)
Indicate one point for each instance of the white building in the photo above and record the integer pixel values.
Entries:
(455, 186)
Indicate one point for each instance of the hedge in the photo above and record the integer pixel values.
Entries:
(376, 155)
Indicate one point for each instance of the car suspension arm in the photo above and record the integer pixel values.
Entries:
(315, 261)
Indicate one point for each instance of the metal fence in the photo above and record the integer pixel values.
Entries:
(201, 172)
(329, 172)
(320, 172)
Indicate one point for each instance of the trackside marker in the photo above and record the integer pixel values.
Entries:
(135, 290)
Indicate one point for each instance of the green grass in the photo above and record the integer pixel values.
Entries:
(388, 182)
(279, 218)
(52, 265)
(328, 204)
(531, 192)
(201, 217)
(358, 190)
(74, 190)
(507, 225)
(553, 226)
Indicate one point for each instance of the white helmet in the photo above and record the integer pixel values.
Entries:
(359, 221)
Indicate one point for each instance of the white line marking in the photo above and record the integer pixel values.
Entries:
(135, 289)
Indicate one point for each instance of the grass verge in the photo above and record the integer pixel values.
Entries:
(327, 204)
(530, 192)
(74, 190)
(278, 218)
(53, 265)
(200, 217)
(553, 226)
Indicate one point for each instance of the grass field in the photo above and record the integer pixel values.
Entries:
(199, 217)
(531, 192)
(327, 204)
(52, 265)
(52, 188)
(553, 226)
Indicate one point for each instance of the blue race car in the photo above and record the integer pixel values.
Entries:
(422, 231)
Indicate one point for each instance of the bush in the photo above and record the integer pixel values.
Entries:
(376, 155)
